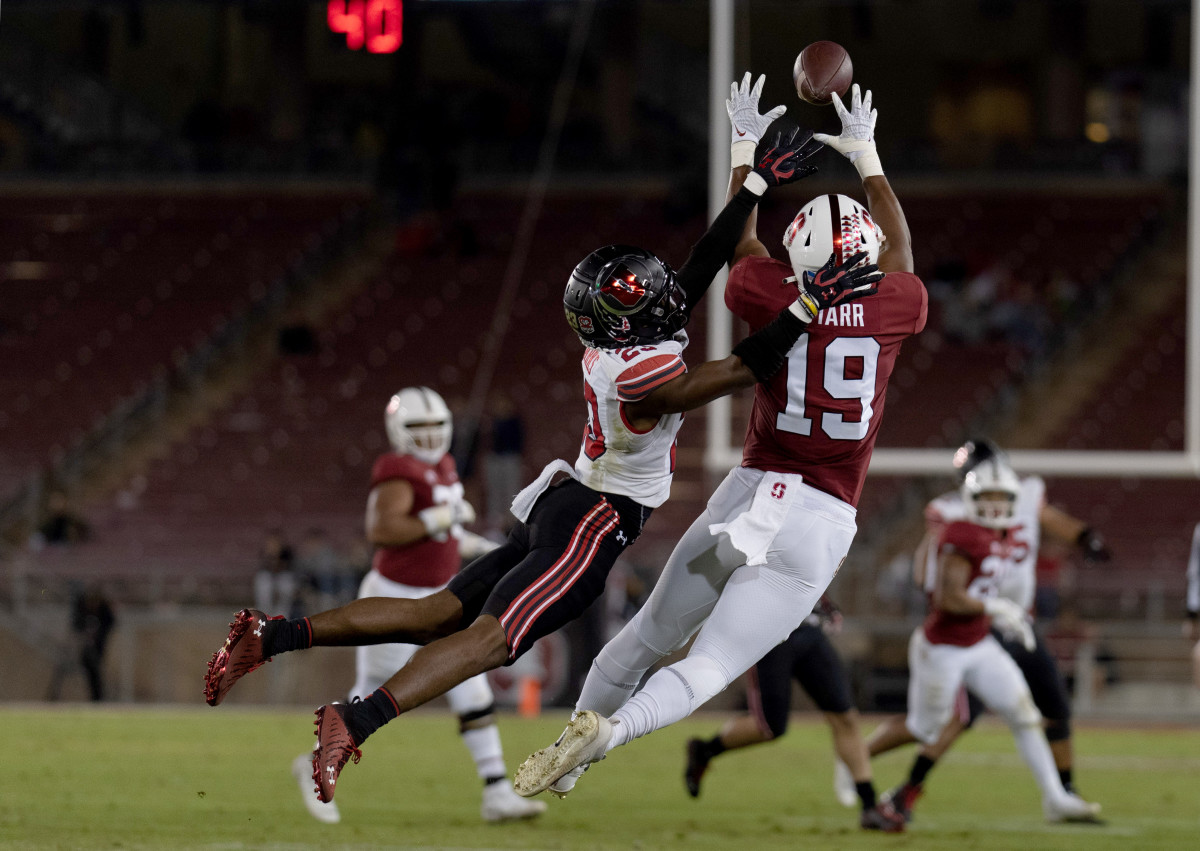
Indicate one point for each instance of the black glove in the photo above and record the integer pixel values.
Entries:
(1093, 546)
(782, 161)
(833, 285)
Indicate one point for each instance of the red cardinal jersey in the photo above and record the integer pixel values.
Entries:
(819, 416)
(429, 562)
(991, 554)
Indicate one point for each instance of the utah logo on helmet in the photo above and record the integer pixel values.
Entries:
(623, 296)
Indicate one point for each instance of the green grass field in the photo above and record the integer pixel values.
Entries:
(78, 777)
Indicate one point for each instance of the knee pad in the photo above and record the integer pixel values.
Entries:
(702, 677)
(1058, 729)
(625, 659)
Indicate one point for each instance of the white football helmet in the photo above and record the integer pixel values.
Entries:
(830, 224)
(419, 424)
(989, 494)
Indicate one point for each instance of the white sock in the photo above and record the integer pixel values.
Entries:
(670, 695)
(1031, 742)
(484, 745)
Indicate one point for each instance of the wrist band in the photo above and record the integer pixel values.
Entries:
(755, 184)
(868, 165)
(741, 153)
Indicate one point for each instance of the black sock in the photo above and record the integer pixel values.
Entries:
(713, 747)
(866, 793)
(281, 636)
(1064, 774)
(364, 717)
(920, 768)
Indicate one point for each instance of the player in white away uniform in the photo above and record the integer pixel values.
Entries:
(775, 532)
(628, 308)
(1033, 517)
(954, 649)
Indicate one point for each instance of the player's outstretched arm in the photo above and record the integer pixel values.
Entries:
(1062, 527)
(778, 162)
(747, 127)
(761, 355)
(856, 143)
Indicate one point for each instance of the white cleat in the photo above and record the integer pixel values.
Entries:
(562, 787)
(843, 784)
(584, 741)
(1071, 808)
(501, 803)
(302, 770)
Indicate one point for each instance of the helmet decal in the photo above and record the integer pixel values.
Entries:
(624, 286)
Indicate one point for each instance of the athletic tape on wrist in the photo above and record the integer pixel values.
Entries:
(868, 165)
(741, 153)
(755, 184)
(804, 308)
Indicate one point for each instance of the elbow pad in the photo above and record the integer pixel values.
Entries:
(765, 351)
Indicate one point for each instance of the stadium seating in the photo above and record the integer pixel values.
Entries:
(294, 450)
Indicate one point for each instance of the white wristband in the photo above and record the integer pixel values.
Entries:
(741, 153)
(868, 165)
(755, 184)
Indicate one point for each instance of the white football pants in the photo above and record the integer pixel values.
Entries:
(741, 610)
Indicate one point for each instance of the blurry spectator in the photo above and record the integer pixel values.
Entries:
(324, 571)
(62, 525)
(275, 583)
(92, 620)
(504, 462)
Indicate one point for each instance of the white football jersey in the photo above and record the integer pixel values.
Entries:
(1020, 582)
(615, 458)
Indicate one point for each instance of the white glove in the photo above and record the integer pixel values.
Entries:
(747, 125)
(439, 518)
(857, 141)
(1010, 619)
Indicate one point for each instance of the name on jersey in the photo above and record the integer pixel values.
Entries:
(843, 316)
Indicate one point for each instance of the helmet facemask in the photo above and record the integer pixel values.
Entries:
(989, 494)
(419, 424)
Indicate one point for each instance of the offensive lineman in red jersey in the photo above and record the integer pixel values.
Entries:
(955, 648)
(414, 519)
(753, 565)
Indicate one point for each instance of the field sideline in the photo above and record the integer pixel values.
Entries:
(193, 777)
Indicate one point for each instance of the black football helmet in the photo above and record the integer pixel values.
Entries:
(622, 296)
(973, 453)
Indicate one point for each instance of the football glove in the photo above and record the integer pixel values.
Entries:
(1093, 546)
(1010, 619)
(857, 139)
(747, 126)
(833, 285)
(783, 160)
(439, 518)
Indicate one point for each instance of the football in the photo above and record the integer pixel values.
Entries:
(821, 69)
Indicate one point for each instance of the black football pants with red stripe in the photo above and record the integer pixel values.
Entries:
(553, 567)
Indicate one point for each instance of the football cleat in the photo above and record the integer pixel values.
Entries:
(902, 799)
(501, 803)
(302, 770)
(882, 817)
(562, 787)
(584, 741)
(697, 764)
(241, 653)
(844, 788)
(334, 747)
(1071, 808)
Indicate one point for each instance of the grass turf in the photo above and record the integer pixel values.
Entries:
(134, 778)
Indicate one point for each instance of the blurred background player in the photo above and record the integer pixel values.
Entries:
(776, 531)
(628, 308)
(415, 516)
(954, 647)
(808, 656)
(1033, 518)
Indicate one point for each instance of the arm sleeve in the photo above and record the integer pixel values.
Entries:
(715, 248)
(1193, 575)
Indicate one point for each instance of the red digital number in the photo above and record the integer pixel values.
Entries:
(378, 24)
